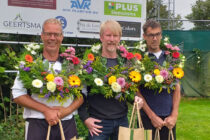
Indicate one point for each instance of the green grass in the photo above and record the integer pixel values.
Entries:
(194, 119)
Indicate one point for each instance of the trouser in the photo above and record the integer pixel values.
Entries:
(164, 130)
(37, 129)
(110, 129)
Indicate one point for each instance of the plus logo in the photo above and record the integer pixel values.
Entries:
(78, 4)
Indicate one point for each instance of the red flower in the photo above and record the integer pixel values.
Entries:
(29, 58)
(66, 90)
(43, 73)
(175, 54)
(75, 60)
(129, 55)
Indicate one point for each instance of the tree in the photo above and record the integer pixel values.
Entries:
(200, 11)
(166, 24)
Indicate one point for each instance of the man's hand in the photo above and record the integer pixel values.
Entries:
(93, 128)
(52, 116)
(170, 122)
(61, 110)
(139, 101)
(157, 122)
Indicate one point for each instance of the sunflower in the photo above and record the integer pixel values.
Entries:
(74, 80)
(91, 57)
(178, 72)
(29, 58)
(135, 76)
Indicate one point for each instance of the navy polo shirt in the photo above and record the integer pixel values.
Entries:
(160, 103)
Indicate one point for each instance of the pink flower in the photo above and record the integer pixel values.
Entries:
(167, 52)
(169, 46)
(164, 73)
(121, 81)
(176, 48)
(58, 81)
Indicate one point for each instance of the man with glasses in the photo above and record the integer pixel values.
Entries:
(38, 112)
(160, 110)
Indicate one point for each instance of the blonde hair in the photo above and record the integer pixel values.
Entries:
(112, 25)
(53, 21)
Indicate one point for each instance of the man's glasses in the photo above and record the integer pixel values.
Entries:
(154, 35)
(48, 34)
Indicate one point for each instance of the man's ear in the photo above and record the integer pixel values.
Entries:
(144, 36)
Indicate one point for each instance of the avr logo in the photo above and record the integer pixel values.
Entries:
(78, 4)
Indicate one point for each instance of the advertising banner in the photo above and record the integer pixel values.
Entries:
(80, 18)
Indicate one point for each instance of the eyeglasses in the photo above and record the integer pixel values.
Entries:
(48, 34)
(154, 35)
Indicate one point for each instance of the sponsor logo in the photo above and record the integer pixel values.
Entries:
(88, 26)
(63, 21)
(85, 4)
(122, 9)
(19, 23)
(80, 6)
(130, 29)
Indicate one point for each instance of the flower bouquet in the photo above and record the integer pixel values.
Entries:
(119, 82)
(166, 76)
(39, 76)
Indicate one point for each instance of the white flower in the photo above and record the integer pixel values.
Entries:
(22, 63)
(166, 39)
(116, 87)
(31, 45)
(181, 64)
(51, 86)
(98, 82)
(143, 47)
(147, 77)
(96, 48)
(159, 78)
(28, 49)
(33, 52)
(36, 47)
(37, 83)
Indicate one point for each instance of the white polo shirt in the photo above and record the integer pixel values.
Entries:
(19, 90)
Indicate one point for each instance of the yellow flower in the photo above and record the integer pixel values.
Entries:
(50, 77)
(157, 72)
(112, 79)
(178, 72)
(135, 76)
(74, 80)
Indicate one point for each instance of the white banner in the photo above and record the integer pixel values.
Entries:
(80, 18)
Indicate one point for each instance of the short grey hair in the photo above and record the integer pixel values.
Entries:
(53, 21)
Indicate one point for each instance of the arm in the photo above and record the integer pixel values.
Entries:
(89, 121)
(156, 121)
(170, 121)
(64, 111)
(50, 114)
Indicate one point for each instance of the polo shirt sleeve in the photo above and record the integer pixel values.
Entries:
(18, 88)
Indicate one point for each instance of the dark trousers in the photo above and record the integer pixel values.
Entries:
(163, 132)
(37, 129)
(110, 129)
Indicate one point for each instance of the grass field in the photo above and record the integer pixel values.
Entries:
(194, 119)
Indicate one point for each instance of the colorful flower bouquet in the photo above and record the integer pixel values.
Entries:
(166, 76)
(119, 82)
(40, 78)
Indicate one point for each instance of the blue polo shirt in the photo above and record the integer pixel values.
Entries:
(160, 103)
